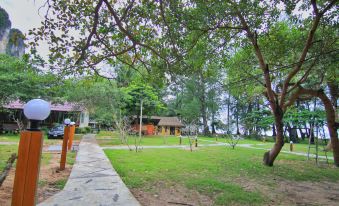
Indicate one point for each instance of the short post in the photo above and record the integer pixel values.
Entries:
(64, 144)
(216, 137)
(29, 154)
(180, 139)
(196, 141)
(291, 146)
(71, 135)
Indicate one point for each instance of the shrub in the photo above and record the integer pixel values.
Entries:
(87, 129)
(77, 130)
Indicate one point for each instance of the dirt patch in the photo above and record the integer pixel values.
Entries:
(168, 195)
(279, 192)
(310, 193)
(283, 192)
(48, 181)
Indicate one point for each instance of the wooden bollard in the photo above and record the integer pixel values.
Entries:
(180, 140)
(196, 141)
(27, 168)
(64, 147)
(291, 146)
(71, 136)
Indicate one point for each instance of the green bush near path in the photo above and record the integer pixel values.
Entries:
(217, 168)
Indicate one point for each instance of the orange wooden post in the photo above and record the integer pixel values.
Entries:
(27, 168)
(71, 136)
(64, 147)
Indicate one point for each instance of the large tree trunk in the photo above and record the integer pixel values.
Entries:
(204, 119)
(331, 123)
(203, 110)
(270, 156)
(228, 114)
(332, 126)
(334, 94)
(274, 133)
(237, 122)
(213, 123)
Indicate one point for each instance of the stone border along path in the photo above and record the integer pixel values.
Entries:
(216, 144)
(93, 181)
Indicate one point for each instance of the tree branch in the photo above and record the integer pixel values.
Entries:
(93, 31)
(306, 48)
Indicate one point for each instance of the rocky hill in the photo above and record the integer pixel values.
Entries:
(11, 40)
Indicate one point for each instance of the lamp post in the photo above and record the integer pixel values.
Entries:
(29, 154)
(71, 135)
(67, 122)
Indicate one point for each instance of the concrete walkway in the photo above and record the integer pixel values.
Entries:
(93, 181)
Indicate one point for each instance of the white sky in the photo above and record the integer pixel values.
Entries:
(24, 16)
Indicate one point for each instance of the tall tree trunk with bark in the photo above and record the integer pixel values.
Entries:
(203, 109)
(274, 133)
(330, 117)
(271, 155)
(213, 123)
(334, 93)
(237, 118)
(228, 113)
(280, 102)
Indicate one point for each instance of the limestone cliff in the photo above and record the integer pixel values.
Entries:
(11, 40)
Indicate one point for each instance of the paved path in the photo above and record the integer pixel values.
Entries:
(93, 181)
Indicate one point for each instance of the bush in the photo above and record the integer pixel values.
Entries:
(87, 129)
(82, 130)
(254, 137)
(44, 130)
(78, 130)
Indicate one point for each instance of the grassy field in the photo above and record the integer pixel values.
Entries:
(218, 172)
(5, 153)
(112, 138)
(9, 138)
(7, 149)
(109, 138)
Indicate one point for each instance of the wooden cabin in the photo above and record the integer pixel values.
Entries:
(156, 125)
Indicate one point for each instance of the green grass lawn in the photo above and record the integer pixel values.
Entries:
(215, 171)
(212, 140)
(9, 138)
(104, 133)
(15, 138)
(7, 150)
(5, 153)
(109, 138)
(297, 147)
(155, 140)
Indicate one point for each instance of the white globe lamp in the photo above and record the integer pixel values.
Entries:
(67, 121)
(36, 110)
(72, 123)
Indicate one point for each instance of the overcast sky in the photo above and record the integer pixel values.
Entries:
(23, 13)
(24, 16)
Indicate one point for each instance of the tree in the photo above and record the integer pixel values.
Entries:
(20, 81)
(283, 76)
(291, 87)
(165, 35)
